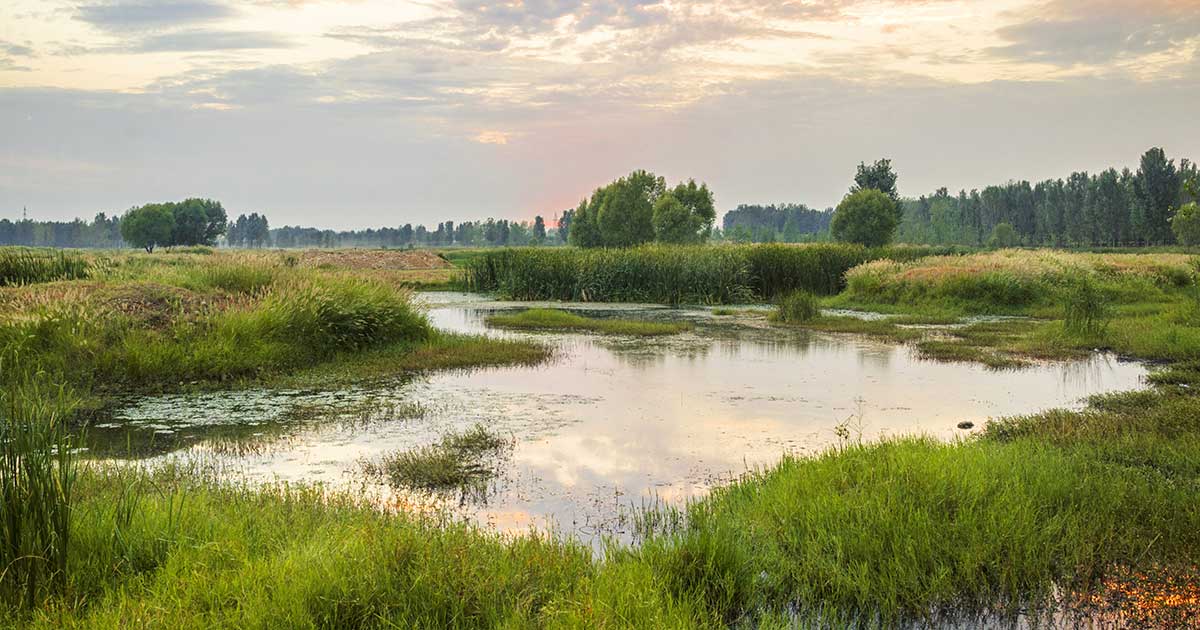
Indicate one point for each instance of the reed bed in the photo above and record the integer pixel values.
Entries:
(673, 274)
(21, 266)
(1016, 278)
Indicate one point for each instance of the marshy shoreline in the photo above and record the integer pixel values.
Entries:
(1063, 509)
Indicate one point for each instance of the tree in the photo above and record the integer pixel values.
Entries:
(1186, 224)
(1004, 235)
(584, 230)
(1156, 190)
(148, 227)
(867, 216)
(625, 215)
(564, 225)
(673, 222)
(878, 176)
(698, 201)
(539, 230)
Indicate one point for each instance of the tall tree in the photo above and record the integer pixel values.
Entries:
(148, 227)
(879, 176)
(1156, 191)
(539, 230)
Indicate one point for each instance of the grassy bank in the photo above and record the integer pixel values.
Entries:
(727, 274)
(554, 319)
(1097, 509)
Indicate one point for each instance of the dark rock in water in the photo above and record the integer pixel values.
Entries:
(966, 424)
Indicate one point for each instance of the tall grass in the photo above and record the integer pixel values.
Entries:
(37, 478)
(672, 274)
(1085, 308)
(19, 266)
(797, 306)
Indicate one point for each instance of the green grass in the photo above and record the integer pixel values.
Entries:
(672, 274)
(458, 461)
(553, 319)
(796, 307)
(21, 266)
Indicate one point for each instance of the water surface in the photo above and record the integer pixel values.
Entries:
(612, 422)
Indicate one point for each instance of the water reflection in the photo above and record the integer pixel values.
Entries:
(615, 422)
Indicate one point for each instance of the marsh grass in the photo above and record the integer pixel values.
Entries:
(1085, 309)
(22, 266)
(672, 274)
(459, 461)
(554, 319)
(38, 468)
(796, 307)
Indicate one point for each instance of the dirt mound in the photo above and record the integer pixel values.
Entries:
(373, 259)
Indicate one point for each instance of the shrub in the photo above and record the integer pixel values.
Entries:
(797, 306)
(1186, 224)
(1004, 235)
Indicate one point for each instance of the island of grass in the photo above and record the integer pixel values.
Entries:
(554, 319)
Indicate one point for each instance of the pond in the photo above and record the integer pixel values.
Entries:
(611, 423)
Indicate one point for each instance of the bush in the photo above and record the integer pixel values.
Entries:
(1186, 224)
(797, 306)
(866, 217)
(1004, 235)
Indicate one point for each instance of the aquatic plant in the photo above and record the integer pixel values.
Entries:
(37, 477)
(672, 274)
(797, 306)
(1085, 308)
(555, 319)
(457, 461)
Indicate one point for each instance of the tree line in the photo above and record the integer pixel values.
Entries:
(485, 233)
(1110, 208)
(102, 231)
(788, 223)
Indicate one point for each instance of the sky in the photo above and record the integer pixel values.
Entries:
(357, 113)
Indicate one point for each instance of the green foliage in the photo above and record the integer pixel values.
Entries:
(878, 176)
(638, 209)
(19, 266)
(726, 274)
(148, 227)
(38, 466)
(458, 461)
(796, 307)
(1085, 309)
(188, 222)
(673, 223)
(554, 319)
(867, 217)
(1003, 235)
(1186, 224)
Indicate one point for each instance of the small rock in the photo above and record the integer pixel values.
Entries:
(966, 424)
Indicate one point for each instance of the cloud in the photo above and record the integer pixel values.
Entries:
(1089, 32)
(136, 15)
(201, 40)
(492, 137)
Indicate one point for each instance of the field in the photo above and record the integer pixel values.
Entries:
(1094, 511)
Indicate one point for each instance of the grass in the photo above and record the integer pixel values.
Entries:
(672, 274)
(1048, 510)
(553, 319)
(797, 306)
(21, 266)
(458, 461)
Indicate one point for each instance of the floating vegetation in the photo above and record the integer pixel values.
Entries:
(554, 319)
(459, 461)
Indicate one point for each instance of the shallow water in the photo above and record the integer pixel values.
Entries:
(612, 422)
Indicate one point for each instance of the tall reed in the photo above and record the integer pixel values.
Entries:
(37, 476)
(19, 266)
(672, 274)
